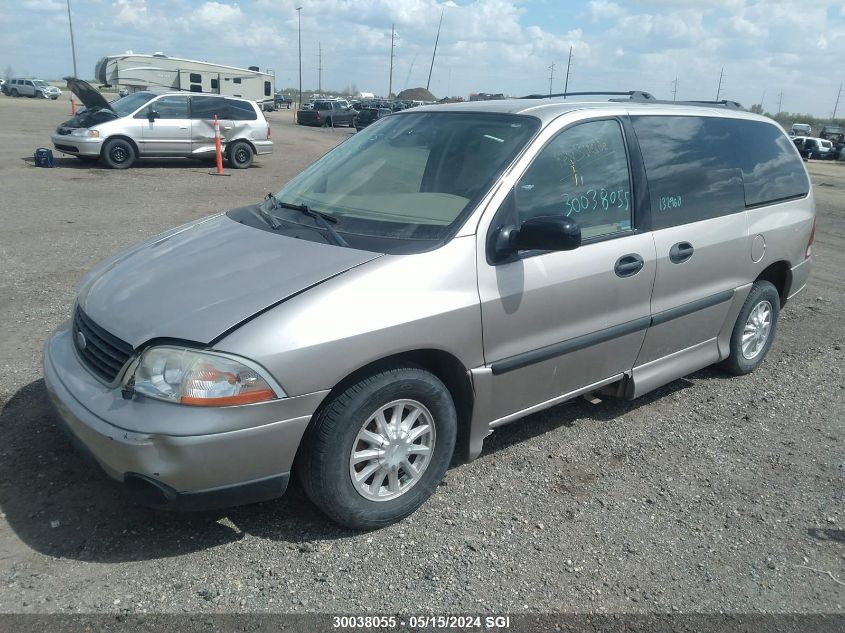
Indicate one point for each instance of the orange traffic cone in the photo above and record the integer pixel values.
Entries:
(72, 105)
(218, 148)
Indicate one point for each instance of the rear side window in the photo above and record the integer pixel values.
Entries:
(241, 110)
(207, 107)
(267, 89)
(583, 174)
(692, 168)
(771, 170)
(705, 167)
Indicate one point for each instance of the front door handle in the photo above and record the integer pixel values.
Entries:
(680, 252)
(628, 265)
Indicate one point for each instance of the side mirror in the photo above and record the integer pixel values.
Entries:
(152, 115)
(540, 233)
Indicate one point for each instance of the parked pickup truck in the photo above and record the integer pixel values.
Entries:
(282, 101)
(327, 113)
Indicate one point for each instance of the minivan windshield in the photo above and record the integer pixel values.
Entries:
(409, 178)
(128, 104)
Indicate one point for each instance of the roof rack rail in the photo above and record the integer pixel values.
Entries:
(633, 95)
(724, 103)
(641, 96)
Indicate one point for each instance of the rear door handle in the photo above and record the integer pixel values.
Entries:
(628, 265)
(680, 252)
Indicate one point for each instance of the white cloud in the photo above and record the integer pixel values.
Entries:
(131, 12)
(218, 13)
(604, 10)
(485, 46)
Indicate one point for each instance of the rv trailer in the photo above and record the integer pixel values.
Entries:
(142, 72)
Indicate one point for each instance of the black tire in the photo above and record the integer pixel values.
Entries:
(118, 153)
(240, 155)
(39, 95)
(14, 92)
(327, 122)
(323, 462)
(738, 363)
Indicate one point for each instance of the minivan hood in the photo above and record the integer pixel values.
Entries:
(199, 281)
(87, 94)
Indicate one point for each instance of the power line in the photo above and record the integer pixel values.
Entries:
(72, 45)
(836, 105)
(392, 46)
(719, 89)
(568, 65)
(436, 39)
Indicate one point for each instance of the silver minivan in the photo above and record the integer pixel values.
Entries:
(448, 270)
(171, 124)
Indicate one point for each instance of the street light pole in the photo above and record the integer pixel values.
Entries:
(72, 45)
(299, 37)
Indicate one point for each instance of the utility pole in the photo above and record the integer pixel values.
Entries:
(675, 89)
(436, 39)
(836, 105)
(299, 35)
(551, 77)
(410, 69)
(780, 102)
(320, 67)
(719, 89)
(72, 45)
(568, 65)
(392, 46)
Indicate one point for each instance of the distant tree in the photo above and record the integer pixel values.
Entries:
(757, 108)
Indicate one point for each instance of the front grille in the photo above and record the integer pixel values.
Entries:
(66, 148)
(104, 354)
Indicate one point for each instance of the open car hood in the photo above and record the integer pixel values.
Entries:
(87, 94)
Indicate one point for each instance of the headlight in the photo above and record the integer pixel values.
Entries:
(204, 379)
(84, 132)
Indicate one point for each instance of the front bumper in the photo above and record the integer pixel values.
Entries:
(191, 471)
(77, 145)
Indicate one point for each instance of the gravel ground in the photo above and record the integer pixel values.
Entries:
(711, 494)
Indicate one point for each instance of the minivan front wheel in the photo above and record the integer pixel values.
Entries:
(754, 330)
(240, 155)
(379, 449)
(118, 153)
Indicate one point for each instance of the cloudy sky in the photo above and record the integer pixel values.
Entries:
(767, 47)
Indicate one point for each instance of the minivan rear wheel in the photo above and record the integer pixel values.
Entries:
(118, 153)
(240, 155)
(378, 450)
(754, 330)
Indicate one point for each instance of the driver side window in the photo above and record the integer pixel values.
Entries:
(582, 174)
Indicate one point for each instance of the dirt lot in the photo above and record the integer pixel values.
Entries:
(711, 494)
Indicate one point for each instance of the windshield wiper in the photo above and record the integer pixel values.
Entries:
(324, 219)
(268, 217)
